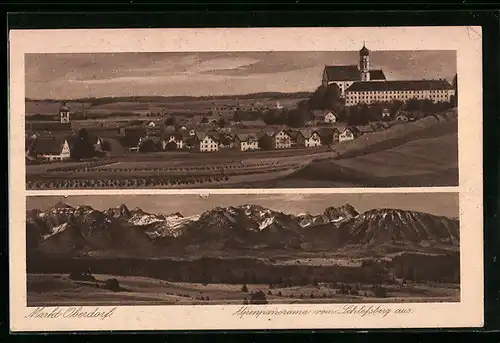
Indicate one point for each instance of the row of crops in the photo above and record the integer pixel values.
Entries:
(173, 169)
(123, 183)
(80, 167)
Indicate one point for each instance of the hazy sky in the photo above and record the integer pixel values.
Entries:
(435, 203)
(69, 76)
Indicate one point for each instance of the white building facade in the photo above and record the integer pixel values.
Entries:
(386, 91)
(64, 114)
(346, 135)
(330, 117)
(282, 140)
(207, 144)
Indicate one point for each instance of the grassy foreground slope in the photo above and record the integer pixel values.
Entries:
(418, 154)
(59, 290)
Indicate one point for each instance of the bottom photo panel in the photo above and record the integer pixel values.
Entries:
(186, 249)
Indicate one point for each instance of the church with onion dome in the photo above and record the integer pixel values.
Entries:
(345, 75)
(359, 84)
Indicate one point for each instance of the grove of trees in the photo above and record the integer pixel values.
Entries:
(265, 142)
(82, 146)
(171, 146)
(258, 298)
(325, 98)
(148, 146)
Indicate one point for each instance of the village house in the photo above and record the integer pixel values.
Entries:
(308, 138)
(155, 124)
(364, 129)
(330, 117)
(324, 117)
(154, 131)
(402, 118)
(282, 140)
(269, 130)
(97, 141)
(348, 134)
(51, 148)
(386, 115)
(206, 142)
(226, 141)
(246, 142)
(170, 138)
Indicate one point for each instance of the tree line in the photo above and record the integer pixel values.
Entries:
(327, 98)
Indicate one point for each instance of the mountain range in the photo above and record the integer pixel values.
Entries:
(82, 230)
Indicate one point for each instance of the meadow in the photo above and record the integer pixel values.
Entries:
(172, 169)
(417, 154)
(60, 290)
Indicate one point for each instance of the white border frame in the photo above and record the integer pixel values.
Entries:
(467, 42)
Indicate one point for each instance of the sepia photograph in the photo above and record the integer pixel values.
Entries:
(245, 179)
(242, 249)
(265, 119)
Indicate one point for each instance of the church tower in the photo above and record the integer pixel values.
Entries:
(364, 63)
(64, 113)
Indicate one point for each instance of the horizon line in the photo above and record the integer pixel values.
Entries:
(169, 96)
(239, 206)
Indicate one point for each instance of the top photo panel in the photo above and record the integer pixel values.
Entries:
(262, 119)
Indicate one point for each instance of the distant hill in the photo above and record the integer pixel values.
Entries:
(262, 95)
(416, 154)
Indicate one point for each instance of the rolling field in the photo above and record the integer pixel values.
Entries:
(155, 105)
(173, 169)
(59, 290)
(412, 158)
(415, 154)
(407, 156)
(424, 162)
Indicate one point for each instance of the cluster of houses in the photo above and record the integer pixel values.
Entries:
(55, 141)
(58, 148)
(271, 138)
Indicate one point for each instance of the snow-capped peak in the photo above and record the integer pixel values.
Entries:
(266, 222)
(144, 219)
(56, 229)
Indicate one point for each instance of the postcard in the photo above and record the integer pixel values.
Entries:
(270, 178)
